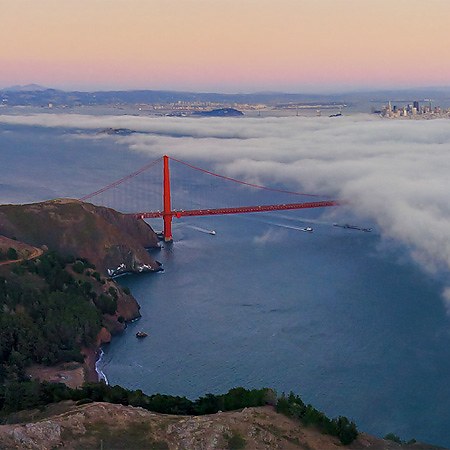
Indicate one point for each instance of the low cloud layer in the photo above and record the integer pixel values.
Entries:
(394, 173)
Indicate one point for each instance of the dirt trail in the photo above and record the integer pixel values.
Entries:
(20, 247)
(35, 254)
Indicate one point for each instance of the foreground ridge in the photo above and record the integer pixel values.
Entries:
(95, 425)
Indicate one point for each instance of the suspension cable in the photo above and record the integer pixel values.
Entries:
(244, 182)
(118, 182)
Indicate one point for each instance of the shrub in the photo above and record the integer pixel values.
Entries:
(235, 441)
(293, 406)
(12, 254)
(96, 275)
(393, 437)
(346, 430)
(113, 292)
(106, 304)
(78, 267)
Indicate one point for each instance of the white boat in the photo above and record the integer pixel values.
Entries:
(141, 334)
(308, 229)
(212, 232)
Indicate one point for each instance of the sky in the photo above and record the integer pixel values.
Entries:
(225, 45)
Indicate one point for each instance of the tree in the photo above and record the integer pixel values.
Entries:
(78, 267)
(393, 437)
(12, 254)
(346, 430)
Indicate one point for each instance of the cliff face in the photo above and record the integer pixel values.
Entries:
(105, 237)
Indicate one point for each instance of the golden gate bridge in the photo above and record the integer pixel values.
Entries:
(167, 212)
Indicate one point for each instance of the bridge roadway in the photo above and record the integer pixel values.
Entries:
(236, 210)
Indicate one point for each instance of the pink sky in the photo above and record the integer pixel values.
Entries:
(225, 45)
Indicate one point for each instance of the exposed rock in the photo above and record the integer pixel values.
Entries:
(104, 337)
(42, 435)
(98, 425)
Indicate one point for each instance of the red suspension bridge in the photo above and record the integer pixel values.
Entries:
(167, 213)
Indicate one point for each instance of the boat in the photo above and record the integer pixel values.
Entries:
(352, 227)
(308, 229)
(212, 232)
(141, 334)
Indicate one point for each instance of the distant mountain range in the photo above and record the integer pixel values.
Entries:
(24, 88)
(36, 95)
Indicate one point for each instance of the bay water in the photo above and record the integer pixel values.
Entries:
(339, 316)
(353, 327)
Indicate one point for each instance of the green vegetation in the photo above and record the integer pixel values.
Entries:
(394, 438)
(78, 267)
(126, 290)
(10, 254)
(235, 441)
(16, 396)
(293, 406)
(46, 315)
(106, 304)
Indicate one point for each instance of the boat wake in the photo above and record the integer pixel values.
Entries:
(300, 219)
(291, 227)
(201, 230)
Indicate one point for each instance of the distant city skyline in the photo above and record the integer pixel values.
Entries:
(228, 46)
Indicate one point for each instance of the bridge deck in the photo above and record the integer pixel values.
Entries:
(237, 210)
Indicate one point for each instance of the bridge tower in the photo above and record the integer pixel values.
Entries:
(167, 206)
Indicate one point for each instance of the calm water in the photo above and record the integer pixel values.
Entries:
(337, 315)
(355, 331)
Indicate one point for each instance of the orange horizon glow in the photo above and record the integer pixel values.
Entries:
(225, 45)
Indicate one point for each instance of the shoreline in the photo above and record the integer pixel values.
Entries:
(89, 365)
(92, 359)
(100, 374)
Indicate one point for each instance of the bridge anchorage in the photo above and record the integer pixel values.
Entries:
(167, 213)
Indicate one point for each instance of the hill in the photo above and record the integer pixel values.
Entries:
(38, 96)
(104, 425)
(221, 112)
(58, 302)
(112, 241)
(24, 88)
